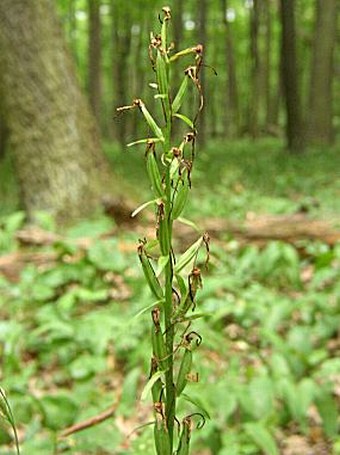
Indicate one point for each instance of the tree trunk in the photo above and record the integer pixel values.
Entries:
(3, 135)
(139, 71)
(121, 40)
(267, 62)
(232, 107)
(319, 128)
(294, 131)
(202, 36)
(274, 90)
(255, 79)
(94, 58)
(54, 140)
(178, 23)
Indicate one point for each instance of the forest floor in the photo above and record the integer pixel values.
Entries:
(74, 338)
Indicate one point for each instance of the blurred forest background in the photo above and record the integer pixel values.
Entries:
(266, 187)
(277, 69)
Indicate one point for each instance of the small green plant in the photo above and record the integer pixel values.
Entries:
(6, 414)
(175, 283)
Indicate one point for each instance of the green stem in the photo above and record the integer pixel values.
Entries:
(170, 408)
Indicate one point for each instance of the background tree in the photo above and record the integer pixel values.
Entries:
(3, 135)
(54, 140)
(254, 99)
(94, 62)
(232, 126)
(290, 77)
(229, 49)
(202, 39)
(121, 45)
(319, 128)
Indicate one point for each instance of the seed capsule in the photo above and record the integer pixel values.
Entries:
(184, 370)
(163, 231)
(158, 343)
(149, 273)
(188, 255)
(161, 436)
(180, 200)
(184, 441)
(162, 77)
(157, 388)
(177, 102)
(154, 174)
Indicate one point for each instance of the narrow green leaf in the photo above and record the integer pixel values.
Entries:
(182, 285)
(182, 53)
(188, 256)
(151, 122)
(144, 141)
(188, 223)
(6, 410)
(177, 102)
(145, 309)
(185, 120)
(198, 403)
(197, 316)
(161, 96)
(142, 207)
(148, 386)
(162, 262)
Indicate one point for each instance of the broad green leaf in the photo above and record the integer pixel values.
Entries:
(59, 411)
(105, 255)
(262, 438)
(260, 397)
(14, 221)
(328, 410)
(85, 366)
(5, 436)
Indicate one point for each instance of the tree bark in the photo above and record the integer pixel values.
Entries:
(3, 135)
(319, 129)
(294, 130)
(94, 58)
(54, 140)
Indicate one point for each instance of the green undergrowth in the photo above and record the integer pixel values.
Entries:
(73, 336)
(244, 176)
(232, 179)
